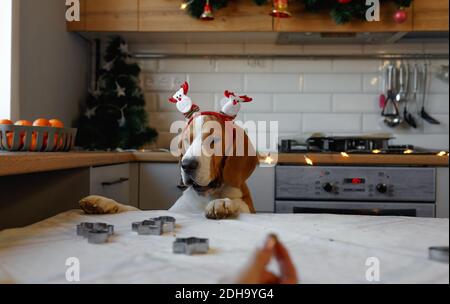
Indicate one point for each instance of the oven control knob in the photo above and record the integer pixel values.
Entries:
(328, 187)
(382, 188)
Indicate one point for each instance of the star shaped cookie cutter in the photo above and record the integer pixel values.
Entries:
(191, 246)
(155, 226)
(96, 233)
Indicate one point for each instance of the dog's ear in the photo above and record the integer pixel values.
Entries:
(237, 169)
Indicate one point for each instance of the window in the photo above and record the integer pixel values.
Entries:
(5, 57)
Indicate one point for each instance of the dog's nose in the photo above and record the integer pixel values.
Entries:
(189, 165)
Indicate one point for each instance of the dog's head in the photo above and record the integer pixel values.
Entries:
(215, 152)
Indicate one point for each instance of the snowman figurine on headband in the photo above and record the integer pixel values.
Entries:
(230, 109)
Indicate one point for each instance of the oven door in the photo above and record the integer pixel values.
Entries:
(357, 208)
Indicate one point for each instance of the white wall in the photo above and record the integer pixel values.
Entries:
(54, 64)
(337, 97)
(5, 58)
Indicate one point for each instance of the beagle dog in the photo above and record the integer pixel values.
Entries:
(217, 158)
(216, 181)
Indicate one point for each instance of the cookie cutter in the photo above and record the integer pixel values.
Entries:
(96, 233)
(191, 246)
(439, 254)
(97, 236)
(154, 226)
(150, 227)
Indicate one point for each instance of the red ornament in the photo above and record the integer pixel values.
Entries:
(344, 1)
(400, 16)
(280, 9)
(207, 12)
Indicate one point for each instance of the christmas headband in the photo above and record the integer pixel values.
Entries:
(229, 111)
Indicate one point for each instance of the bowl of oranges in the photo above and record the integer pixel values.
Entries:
(42, 135)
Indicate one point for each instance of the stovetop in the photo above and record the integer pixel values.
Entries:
(351, 144)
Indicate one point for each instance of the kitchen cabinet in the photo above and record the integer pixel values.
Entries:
(29, 198)
(442, 193)
(245, 16)
(302, 21)
(262, 188)
(430, 15)
(107, 15)
(117, 182)
(166, 15)
(158, 185)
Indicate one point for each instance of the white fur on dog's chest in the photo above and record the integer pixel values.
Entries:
(191, 202)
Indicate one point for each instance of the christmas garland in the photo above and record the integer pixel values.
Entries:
(342, 11)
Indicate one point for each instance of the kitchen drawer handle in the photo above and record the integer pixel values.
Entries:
(119, 181)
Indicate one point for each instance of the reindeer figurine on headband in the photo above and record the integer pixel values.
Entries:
(229, 111)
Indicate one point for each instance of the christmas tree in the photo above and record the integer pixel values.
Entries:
(115, 115)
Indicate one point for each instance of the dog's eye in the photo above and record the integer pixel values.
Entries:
(213, 141)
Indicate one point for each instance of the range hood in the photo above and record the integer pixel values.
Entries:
(361, 38)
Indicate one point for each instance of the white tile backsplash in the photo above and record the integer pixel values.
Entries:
(372, 83)
(442, 128)
(286, 122)
(212, 83)
(270, 49)
(302, 103)
(163, 81)
(437, 104)
(329, 123)
(271, 83)
(356, 103)
(244, 66)
(305, 96)
(302, 66)
(180, 65)
(357, 66)
(332, 83)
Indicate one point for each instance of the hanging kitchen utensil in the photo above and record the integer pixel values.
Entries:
(407, 116)
(391, 119)
(382, 98)
(403, 82)
(423, 113)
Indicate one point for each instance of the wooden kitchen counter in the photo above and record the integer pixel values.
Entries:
(22, 163)
(364, 159)
(13, 163)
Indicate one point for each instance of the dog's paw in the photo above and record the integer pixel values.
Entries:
(221, 209)
(99, 205)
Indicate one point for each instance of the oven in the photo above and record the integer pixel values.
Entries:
(377, 191)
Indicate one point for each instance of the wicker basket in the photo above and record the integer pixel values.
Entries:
(36, 139)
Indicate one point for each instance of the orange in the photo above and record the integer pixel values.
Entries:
(56, 123)
(42, 122)
(22, 135)
(5, 122)
(33, 142)
(9, 135)
(23, 123)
